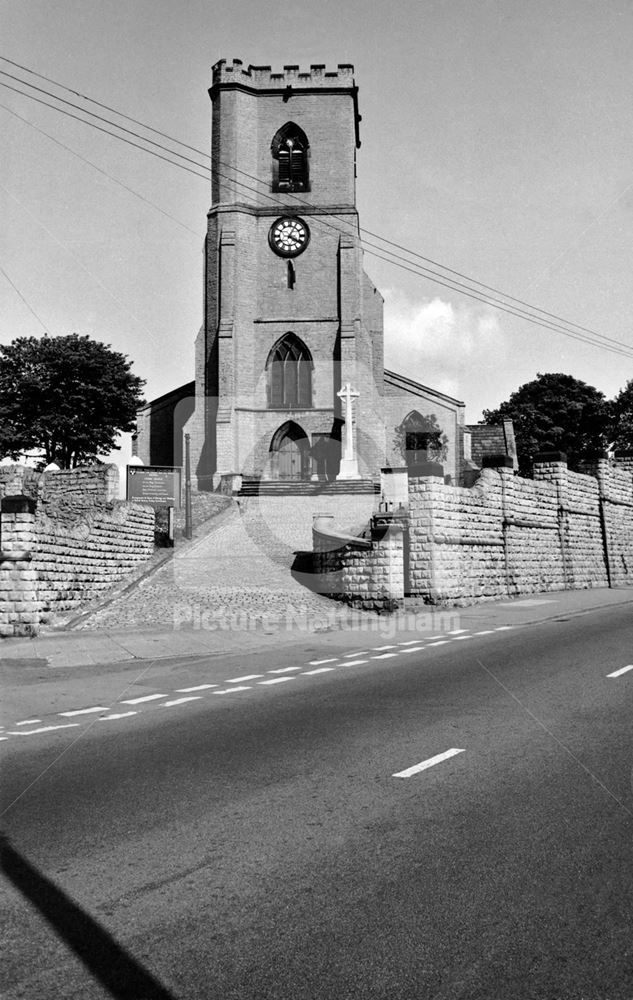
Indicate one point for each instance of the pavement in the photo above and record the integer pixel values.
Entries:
(193, 634)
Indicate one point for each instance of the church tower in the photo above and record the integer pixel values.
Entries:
(289, 314)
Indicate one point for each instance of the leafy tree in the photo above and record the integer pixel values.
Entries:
(622, 409)
(555, 412)
(66, 396)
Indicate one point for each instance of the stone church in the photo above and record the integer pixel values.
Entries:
(290, 316)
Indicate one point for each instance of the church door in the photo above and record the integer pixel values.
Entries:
(289, 459)
(293, 453)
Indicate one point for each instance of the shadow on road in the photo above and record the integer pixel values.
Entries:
(106, 960)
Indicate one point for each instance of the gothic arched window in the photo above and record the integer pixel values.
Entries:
(289, 371)
(290, 151)
(422, 438)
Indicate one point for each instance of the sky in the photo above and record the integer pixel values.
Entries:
(496, 140)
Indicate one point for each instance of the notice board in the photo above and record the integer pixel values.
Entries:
(155, 484)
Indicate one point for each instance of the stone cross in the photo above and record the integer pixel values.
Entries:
(349, 464)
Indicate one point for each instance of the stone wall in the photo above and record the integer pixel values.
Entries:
(19, 480)
(492, 439)
(624, 460)
(614, 483)
(507, 536)
(65, 493)
(65, 544)
(72, 493)
(364, 572)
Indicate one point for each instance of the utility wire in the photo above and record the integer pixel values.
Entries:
(100, 170)
(106, 107)
(27, 304)
(577, 333)
(458, 285)
(625, 351)
(79, 263)
(100, 118)
(115, 135)
(382, 239)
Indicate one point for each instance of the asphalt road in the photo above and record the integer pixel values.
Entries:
(260, 845)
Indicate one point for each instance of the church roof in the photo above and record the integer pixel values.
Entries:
(401, 382)
(188, 389)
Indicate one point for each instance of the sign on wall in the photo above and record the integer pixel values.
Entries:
(156, 484)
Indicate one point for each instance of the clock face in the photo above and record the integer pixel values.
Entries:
(289, 236)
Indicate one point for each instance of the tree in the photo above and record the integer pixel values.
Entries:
(66, 396)
(622, 409)
(555, 412)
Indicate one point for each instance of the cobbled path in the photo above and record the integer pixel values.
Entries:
(240, 569)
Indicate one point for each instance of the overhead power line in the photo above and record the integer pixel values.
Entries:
(91, 114)
(26, 303)
(106, 107)
(299, 202)
(507, 303)
(99, 169)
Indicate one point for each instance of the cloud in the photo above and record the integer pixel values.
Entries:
(439, 344)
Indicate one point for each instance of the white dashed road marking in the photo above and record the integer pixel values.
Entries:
(622, 670)
(44, 729)
(85, 711)
(198, 687)
(146, 697)
(431, 762)
(345, 659)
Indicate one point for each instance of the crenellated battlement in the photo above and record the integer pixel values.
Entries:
(262, 77)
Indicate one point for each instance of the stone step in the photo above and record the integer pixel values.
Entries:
(351, 487)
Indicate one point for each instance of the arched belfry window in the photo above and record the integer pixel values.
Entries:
(289, 371)
(290, 151)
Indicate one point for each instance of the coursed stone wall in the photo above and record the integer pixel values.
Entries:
(71, 493)
(66, 545)
(66, 493)
(507, 535)
(614, 481)
(78, 562)
(18, 480)
(364, 572)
